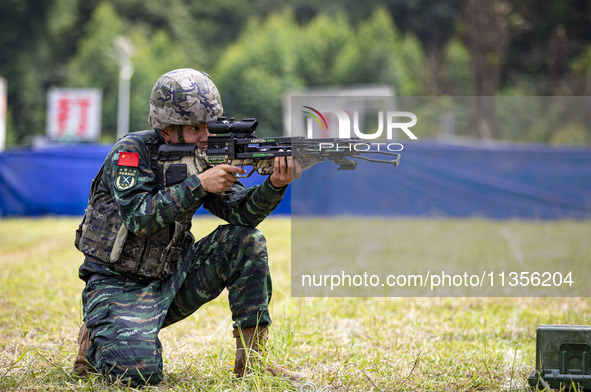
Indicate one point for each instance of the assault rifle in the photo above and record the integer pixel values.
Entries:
(235, 143)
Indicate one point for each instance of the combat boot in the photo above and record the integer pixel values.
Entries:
(255, 339)
(81, 365)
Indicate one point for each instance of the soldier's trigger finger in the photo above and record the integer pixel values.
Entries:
(233, 169)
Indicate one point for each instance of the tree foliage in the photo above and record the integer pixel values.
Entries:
(258, 51)
(280, 55)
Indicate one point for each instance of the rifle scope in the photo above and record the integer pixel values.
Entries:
(248, 125)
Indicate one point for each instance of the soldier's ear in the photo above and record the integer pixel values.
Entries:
(166, 135)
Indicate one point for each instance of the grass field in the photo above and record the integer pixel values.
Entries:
(343, 344)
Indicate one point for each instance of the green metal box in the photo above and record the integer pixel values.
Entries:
(563, 357)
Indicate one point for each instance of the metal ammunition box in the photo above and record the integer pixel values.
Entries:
(563, 357)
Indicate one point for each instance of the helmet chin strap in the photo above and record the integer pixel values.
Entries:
(180, 134)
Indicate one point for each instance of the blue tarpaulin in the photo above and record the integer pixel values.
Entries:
(56, 180)
(52, 180)
(433, 179)
(443, 180)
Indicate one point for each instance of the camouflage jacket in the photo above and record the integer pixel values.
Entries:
(136, 226)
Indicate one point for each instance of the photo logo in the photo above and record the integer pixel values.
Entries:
(392, 119)
(315, 116)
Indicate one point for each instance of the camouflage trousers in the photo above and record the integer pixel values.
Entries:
(125, 315)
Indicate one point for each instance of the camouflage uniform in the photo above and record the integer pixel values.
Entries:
(126, 304)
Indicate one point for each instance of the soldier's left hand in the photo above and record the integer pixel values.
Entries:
(285, 171)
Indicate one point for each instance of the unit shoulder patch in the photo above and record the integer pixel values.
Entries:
(126, 178)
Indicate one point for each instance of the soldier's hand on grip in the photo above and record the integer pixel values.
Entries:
(286, 170)
(219, 178)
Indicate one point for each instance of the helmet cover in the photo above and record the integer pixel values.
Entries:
(184, 97)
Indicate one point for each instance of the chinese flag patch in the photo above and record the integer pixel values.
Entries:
(129, 159)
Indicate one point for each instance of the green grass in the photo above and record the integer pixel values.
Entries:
(383, 247)
(343, 344)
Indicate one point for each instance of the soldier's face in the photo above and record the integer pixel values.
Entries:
(196, 134)
(193, 134)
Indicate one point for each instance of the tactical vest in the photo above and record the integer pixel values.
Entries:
(103, 236)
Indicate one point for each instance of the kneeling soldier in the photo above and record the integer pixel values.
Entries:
(142, 268)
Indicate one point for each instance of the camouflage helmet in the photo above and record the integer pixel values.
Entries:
(184, 97)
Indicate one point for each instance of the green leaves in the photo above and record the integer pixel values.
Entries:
(261, 50)
(278, 56)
